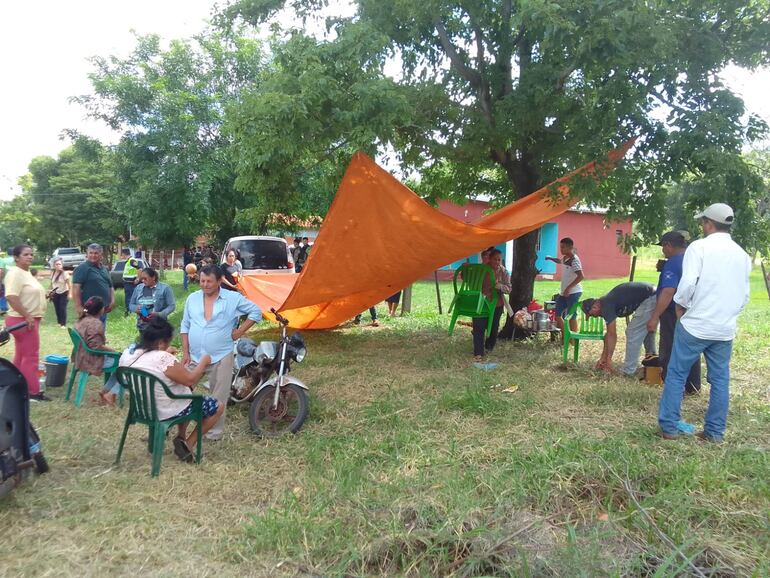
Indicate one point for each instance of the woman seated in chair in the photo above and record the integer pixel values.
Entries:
(153, 355)
(91, 329)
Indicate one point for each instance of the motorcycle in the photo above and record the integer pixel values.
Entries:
(20, 449)
(279, 402)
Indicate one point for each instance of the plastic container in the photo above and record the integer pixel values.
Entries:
(41, 377)
(55, 370)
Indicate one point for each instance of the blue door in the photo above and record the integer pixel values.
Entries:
(547, 246)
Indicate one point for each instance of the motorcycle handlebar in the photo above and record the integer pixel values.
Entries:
(280, 318)
(5, 332)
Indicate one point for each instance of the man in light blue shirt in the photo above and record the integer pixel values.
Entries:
(208, 327)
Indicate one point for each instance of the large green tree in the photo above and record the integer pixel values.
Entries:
(17, 218)
(174, 165)
(517, 92)
(72, 198)
(742, 181)
(314, 105)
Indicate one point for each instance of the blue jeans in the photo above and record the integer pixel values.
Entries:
(686, 350)
(112, 385)
(184, 279)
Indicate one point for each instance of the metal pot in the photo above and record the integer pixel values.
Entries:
(541, 321)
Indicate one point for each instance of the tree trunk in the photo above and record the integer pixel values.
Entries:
(524, 179)
(522, 281)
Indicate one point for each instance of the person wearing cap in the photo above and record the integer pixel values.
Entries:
(632, 298)
(712, 292)
(673, 244)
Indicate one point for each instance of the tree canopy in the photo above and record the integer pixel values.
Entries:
(516, 93)
(497, 97)
(174, 163)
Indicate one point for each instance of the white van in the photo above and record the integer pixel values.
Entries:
(261, 254)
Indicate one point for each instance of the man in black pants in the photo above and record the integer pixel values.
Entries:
(673, 245)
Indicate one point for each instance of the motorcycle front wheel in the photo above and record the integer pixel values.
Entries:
(41, 464)
(287, 417)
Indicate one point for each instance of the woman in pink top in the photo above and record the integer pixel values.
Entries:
(153, 355)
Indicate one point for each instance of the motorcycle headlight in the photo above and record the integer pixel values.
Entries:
(299, 354)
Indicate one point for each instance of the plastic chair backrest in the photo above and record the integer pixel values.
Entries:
(141, 386)
(473, 277)
(77, 340)
(591, 325)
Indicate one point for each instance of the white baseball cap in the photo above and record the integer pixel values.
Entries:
(719, 213)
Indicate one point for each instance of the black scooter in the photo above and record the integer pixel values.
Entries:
(19, 443)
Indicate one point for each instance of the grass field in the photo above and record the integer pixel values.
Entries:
(413, 462)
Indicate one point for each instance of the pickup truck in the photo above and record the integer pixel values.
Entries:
(71, 257)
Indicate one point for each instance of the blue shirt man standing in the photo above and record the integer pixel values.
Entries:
(208, 327)
(673, 244)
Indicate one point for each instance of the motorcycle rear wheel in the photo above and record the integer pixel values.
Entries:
(289, 415)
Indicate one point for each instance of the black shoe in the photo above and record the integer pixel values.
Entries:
(182, 451)
(39, 397)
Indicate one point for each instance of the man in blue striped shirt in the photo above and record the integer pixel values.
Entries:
(209, 327)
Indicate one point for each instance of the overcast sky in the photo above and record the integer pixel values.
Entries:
(45, 44)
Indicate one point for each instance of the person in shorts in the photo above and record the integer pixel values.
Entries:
(571, 289)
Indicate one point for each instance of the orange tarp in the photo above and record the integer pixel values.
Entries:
(379, 236)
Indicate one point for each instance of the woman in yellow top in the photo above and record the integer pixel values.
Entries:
(26, 302)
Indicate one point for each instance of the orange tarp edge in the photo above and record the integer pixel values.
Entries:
(379, 236)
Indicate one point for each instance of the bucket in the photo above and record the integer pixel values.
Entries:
(55, 370)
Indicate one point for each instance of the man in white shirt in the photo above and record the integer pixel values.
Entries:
(713, 290)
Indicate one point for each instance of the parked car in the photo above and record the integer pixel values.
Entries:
(71, 257)
(260, 254)
(116, 275)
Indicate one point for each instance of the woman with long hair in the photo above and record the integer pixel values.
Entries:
(26, 300)
(60, 291)
(501, 287)
(231, 270)
(152, 355)
(91, 330)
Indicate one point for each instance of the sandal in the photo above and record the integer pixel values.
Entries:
(182, 450)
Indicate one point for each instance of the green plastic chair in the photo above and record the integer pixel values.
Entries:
(141, 387)
(77, 343)
(469, 300)
(590, 329)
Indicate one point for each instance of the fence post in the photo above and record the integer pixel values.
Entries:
(438, 292)
(406, 303)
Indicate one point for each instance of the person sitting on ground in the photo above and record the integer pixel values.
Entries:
(92, 331)
(152, 355)
(502, 287)
(623, 301)
(570, 290)
(151, 298)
